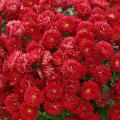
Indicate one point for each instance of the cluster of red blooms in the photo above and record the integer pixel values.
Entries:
(51, 60)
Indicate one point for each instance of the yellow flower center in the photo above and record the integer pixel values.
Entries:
(29, 110)
(34, 97)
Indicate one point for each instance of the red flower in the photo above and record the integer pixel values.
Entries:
(71, 86)
(114, 112)
(103, 50)
(67, 43)
(70, 101)
(89, 90)
(15, 28)
(103, 29)
(23, 64)
(86, 48)
(58, 58)
(33, 96)
(12, 103)
(102, 74)
(115, 62)
(51, 39)
(28, 112)
(74, 70)
(85, 26)
(67, 24)
(112, 14)
(83, 109)
(53, 108)
(54, 90)
(26, 81)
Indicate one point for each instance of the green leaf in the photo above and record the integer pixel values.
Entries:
(103, 113)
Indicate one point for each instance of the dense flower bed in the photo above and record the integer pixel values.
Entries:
(59, 60)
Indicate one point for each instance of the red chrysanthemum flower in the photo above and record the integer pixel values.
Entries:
(97, 17)
(70, 101)
(102, 74)
(115, 62)
(85, 26)
(83, 8)
(67, 43)
(103, 29)
(73, 69)
(71, 86)
(15, 28)
(112, 14)
(73, 55)
(53, 108)
(102, 100)
(33, 96)
(89, 90)
(28, 112)
(103, 50)
(86, 48)
(26, 81)
(54, 90)
(84, 109)
(67, 24)
(51, 39)
(114, 112)
(23, 64)
(58, 58)
(81, 35)
(101, 3)
(12, 103)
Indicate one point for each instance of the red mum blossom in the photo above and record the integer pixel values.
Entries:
(51, 39)
(70, 101)
(54, 90)
(13, 45)
(97, 17)
(11, 7)
(114, 112)
(67, 24)
(67, 43)
(84, 109)
(9, 63)
(72, 55)
(102, 74)
(29, 3)
(53, 108)
(103, 50)
(71, 86)
(102, 100)
(89, 90)
(23, 64)
(33, 96)
(45, 18)
(98, 10)
(86, 48)
(101, 3)
(102, 29)
(12, 103)
(85, 26)
(115, 62)
(16, 115)
(112, 14)
(15, 28)
(58, 58)
(72, 69)
(28, 112)
(83, 8)
(27, 80)
(84, 35)
(27, 14)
